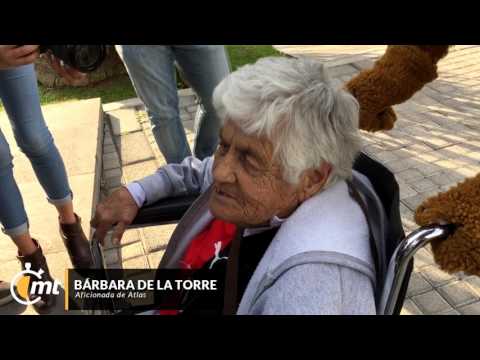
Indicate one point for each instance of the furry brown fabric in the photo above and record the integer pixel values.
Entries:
(396, 77)
(461, 206)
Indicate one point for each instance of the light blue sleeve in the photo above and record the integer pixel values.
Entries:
(318, 289)
(192, 176)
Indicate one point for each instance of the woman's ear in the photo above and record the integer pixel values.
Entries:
(313, 180)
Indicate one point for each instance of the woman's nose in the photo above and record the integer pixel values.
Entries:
(223, 170)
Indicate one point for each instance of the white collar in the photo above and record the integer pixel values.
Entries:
(274, 222)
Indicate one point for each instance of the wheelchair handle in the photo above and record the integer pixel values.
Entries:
(402, 255)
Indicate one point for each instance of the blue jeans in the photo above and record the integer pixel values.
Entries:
(152, 71)
(19, 95)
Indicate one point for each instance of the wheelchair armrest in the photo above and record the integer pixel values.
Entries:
(404, 253)
(163, 211)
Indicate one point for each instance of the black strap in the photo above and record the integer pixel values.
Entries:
(230, 302)
(354, 193)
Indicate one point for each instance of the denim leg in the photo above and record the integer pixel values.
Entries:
(151, 69)
(12, 211)
(204, 66)
(19, 93)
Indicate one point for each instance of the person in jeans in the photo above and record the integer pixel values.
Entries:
(152, 71)
(19, 95)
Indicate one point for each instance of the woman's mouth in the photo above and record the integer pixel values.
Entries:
(223, 195)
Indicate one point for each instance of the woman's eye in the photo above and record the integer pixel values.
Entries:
(250, 163)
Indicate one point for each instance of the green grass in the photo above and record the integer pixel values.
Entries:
(120, 87)
(113, 89)
(246, 54)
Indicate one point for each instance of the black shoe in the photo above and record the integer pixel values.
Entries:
(77, 244)
(38, 262)
(5, 294)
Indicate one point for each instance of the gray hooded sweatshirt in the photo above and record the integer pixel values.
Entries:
(318, 263)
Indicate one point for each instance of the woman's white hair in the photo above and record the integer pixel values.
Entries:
(293, 103)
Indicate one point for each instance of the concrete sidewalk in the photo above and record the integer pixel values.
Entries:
(75, 128)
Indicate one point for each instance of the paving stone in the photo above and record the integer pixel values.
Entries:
(423, 185)
(447, 164)
(471, 309)
(467, 172)
(458, 149)
(431, 303)
(373, 148)
(409, 225)
(474, 155)
(130, 236)
(449, 312)
(134, 148)
(406, 191)
(419, 148)
(113, 182)
(428, 169)
(474, 282)
(386, 156)
(458, 293)
(139, 170)
(418, 285)
(128, 103)
(110, 161)
(107, 140)
(342, 70)
(112, 173)
(402, 164)
(465, 161)
(423, 258)
(124, 121)
(140, 262)
(443, 178)
(435, 276)
(157, 237)
(405, 211)
(409, 308)
(410, 175)
(430, 157)
(155, 258)
(129, 251)
(414, 201)
(435, 142)
(108, 149)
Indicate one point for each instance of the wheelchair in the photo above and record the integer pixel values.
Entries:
(394, 255)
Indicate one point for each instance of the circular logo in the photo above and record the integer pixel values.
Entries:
(22, 280)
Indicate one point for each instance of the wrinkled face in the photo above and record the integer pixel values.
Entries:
(248, 187)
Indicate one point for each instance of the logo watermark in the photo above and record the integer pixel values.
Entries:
(29, 283)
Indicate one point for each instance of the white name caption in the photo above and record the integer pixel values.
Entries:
(144, 285)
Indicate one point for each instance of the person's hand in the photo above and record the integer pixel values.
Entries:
(70, 75)
(13, 55)
(119, 210)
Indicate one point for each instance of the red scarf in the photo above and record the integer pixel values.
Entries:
(205, 247)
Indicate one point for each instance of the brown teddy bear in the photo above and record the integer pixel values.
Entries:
(396, 77)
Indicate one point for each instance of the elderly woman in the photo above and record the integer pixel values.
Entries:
(278, 181)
